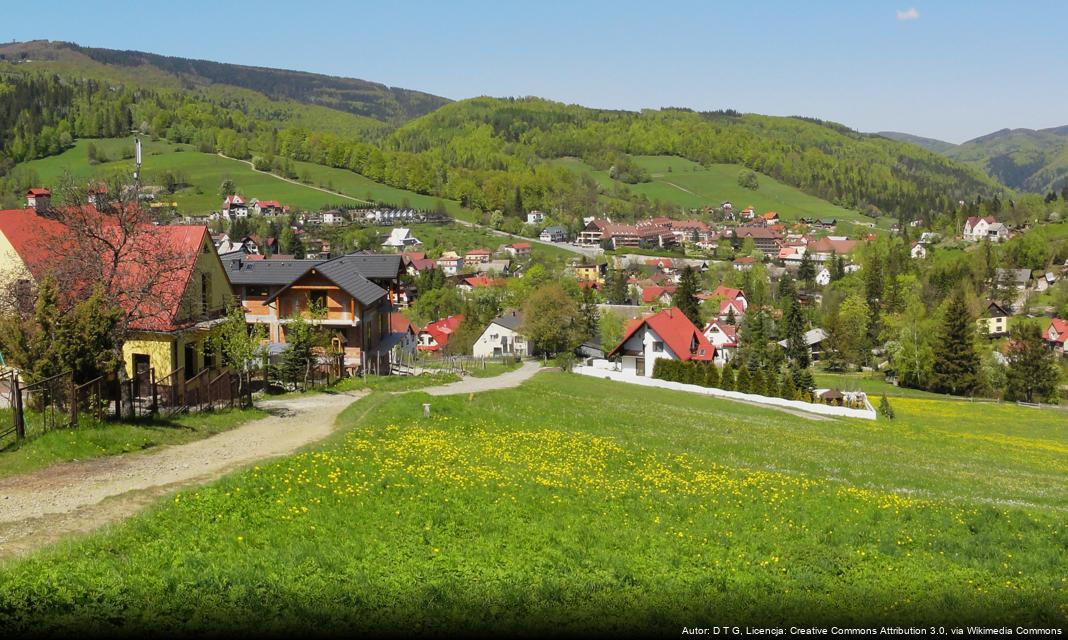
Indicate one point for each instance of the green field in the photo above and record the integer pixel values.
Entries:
(579, 505)
(690, 185)
(205, 172)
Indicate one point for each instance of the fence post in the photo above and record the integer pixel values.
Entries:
(73, 399)
(20, 421)
(155, 391)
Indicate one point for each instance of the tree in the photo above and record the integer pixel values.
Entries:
(727, 378)
(788, 388)
(685, 297)
(885, 409)
(227, 188)
(616, 287)
(610, 325)
(552, 320)
(794, 323)
(1032, 372)
(742, 383)
(748, 179)
(851, 329)
(712, 377)
(303, 340)
(114, 248)
(806, 273)
(589, 315)
(955, 368)
(731, 320)
(241, 345)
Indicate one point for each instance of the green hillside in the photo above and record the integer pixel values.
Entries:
(366, 99)
(535, 509)
(690, 185)
(205, 172)
(1025, 159)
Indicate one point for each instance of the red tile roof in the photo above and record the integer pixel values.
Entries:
(728, 292)
(653, 293)
(38, 192)
(676, 330)
(440, 332)
(1061, 326)
(400, 324)
(38, 240)
(482, 281)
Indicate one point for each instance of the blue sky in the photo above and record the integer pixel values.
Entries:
(948, 69)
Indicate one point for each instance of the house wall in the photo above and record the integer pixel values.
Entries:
(220, 294)
(643, 340)
(491, 338)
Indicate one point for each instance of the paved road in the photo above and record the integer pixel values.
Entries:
(475, 385)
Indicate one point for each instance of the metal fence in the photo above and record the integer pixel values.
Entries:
(58, 402)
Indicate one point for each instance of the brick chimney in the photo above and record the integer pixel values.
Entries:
(39, 200)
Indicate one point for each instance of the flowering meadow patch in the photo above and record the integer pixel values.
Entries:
(563, 505)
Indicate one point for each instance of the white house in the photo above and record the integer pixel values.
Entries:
(668, 334)
(400, 239)
(724, 337)
(976, 228)
(553, 234)
(334, 218)
(918, 252)
(994, 320)
(535, 217)
(823, 278)
(234, 207)
(502, 338)
(450, 263)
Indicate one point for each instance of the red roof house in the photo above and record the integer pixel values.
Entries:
(436, 334)
(667, 334)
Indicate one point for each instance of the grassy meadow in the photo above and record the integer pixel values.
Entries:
(691, 185)
(549, 507)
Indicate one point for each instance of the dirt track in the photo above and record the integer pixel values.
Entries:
(77, 497)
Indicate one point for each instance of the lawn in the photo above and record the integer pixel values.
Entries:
(579, 505)
(205, 172)
(873, 385)
(99, 439)
(688, 184)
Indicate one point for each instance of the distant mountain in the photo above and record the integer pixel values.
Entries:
(931, 144)
(360, 97)
(1023, 159)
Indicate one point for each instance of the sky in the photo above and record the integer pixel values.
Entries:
(951, 70)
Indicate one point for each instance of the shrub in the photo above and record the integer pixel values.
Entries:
(743, 382)
(712, 378)
(885, 409)
(726, 379)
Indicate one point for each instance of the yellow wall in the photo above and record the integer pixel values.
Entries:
(163, 357)
(220, 294)
(12, 268)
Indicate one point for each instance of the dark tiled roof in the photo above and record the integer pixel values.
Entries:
(347, 272)
(266, 272)
(510, 321)
(375, 265)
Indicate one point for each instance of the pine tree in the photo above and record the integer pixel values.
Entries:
(742, 382)
(788, 389)
(726, 378)
(956, 363)
(712, 378)
(731, 320)
(796, 347)
(1032, 375)
(758, 383)
(803, 380)
(806, 273)
(685, 297)
(885, 409)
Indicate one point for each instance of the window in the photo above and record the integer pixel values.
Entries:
(317, 298)
(658, 346)
(255, 291)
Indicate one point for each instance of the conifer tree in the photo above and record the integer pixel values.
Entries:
(788, 389)
(885, 409)
(742, 382)
(1032, 374)
(956, 363)
(796, 348)
(685, 297)
(727, 378)
(758, 383)
(712, 378)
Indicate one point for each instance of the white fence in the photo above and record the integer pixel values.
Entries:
(604, 370)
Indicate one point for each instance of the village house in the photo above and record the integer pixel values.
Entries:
(450, 263)
(416, 263)
(500, 267)
(655, 294)
(815, 339)
(435, 336)
(476, 256)
(667, 334)
(731, 309)
(765, 239)
(400, 239)
(1056, 335)
(502, 338)
(994, 321)
(357, 293)
(402, 335)
(1020, 279)
(171, 326)
(267, 207)
(976, 228)
(470, 283)
(918, 251)
(822, 249)
(234, 206)
(553, 234)
(724, 337)
(590, 272)
(535, 217)
(518, 249)
(744, 263)
(334, 218)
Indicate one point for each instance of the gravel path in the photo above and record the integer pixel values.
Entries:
(475, 385)
(74, 497)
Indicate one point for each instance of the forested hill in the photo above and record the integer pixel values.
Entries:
(370, 99)
(861, 171)
(931, 144)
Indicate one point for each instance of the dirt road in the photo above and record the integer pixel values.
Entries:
(76, 497)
